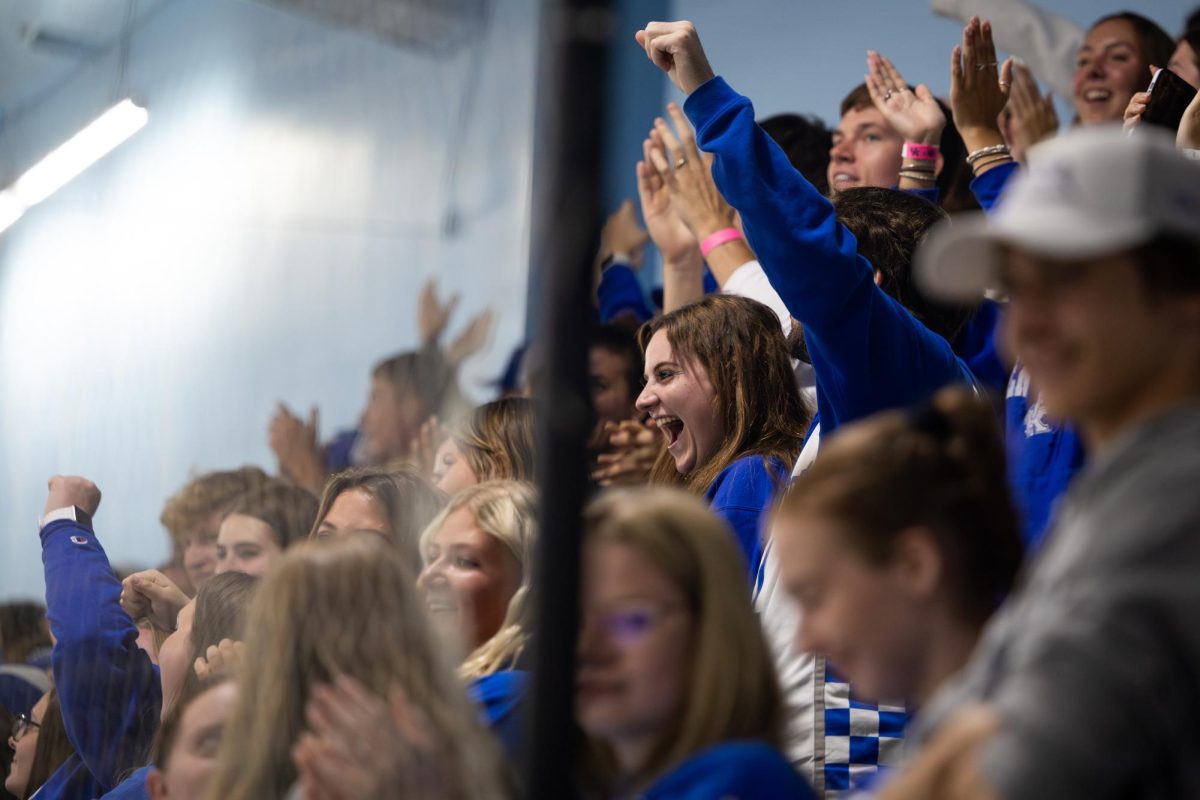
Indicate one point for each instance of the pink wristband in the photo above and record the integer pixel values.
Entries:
(715, 240)
(921, 152)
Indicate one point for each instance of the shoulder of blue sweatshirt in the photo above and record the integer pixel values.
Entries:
(746, 770)
(976, 344)
(740, 494)
(132, 788)
(620, 293)
(868, 352)
(108, 689)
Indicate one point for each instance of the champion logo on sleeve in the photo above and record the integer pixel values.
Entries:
(79, 540)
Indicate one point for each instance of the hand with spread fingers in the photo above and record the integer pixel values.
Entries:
(432, 315)
(915, 114)
(220, 660)
(296, 448)
(674, 47)
(472, 338)
(1033, 112)
(687, 174)
(979, 88)
(670, 234)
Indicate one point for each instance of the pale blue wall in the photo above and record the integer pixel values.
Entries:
(263, 238)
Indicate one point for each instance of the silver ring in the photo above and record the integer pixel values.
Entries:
(681, 162)
(982, 67)
(889, 94)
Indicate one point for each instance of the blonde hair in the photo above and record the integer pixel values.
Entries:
(733, 691)
(506, 510)
(347, 607)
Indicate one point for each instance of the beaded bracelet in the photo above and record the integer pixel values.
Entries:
(983, 152)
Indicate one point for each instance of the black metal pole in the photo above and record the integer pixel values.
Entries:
(570, 122)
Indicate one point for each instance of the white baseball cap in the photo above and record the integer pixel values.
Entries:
(1091, 192)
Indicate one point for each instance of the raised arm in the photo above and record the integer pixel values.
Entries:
(109, 691)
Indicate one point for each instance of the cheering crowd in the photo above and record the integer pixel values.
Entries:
(893, 488)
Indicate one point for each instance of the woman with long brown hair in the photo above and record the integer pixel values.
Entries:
(720, 387)
(344, 610)
(676, 691)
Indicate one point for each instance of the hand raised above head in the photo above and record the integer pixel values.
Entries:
(979, 87)
(675, 48)
(915, 115)
(72, 490)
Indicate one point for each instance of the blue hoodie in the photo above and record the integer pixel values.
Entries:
(109, 691)
(868, 352)
(743, 769)
(740, 494)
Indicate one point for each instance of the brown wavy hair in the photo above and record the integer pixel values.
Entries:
(288, 510)
(498, 440)
(739, 343)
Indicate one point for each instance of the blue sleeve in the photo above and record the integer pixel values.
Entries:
(746, 770)
(132, 788)
(740, 495)
(976, 344)
(108, 690)
(932, 194)
(988, 187)
(620, 293)
(868, 352)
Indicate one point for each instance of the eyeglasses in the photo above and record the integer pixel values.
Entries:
(630, 625)
(21, 726)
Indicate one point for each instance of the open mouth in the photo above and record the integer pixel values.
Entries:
(1097, 95)
(672, 428)
(844, 179)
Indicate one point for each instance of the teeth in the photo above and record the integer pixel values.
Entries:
(666, 420)
(1097, 94)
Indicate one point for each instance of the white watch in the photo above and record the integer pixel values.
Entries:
(73, 513)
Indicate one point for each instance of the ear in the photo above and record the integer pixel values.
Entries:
(156, 787)
(917, 562)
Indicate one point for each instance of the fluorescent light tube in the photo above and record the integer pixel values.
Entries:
(11, 209)
(78, 153)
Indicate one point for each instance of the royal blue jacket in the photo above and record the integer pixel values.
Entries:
(132, 788)
(109, 691)
(868, 352)
(740, 494)
(1043, 455)
(743, 769)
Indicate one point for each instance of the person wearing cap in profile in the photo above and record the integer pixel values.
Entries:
(1087, 683)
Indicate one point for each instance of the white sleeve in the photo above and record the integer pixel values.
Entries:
(749, 280)
(1046, 42)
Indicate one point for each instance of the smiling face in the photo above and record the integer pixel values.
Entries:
(468, 580)
(681, 400)
(451, 471)
(1108, 70)
(865, 152)
(246, 544)
(200, 550)
(354, 511)
(1096, 346)
(193, 758)
(633, 651)
(24, 749)
(866, 618)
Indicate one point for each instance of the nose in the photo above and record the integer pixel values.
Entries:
(431, 575)
(647, 400)
(842, 151)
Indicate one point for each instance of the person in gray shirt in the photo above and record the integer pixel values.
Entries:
(1087, 682)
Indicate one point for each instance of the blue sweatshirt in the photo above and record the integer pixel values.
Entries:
(109, 691)
(500, 696)
(868, 352)
(132, 788)
(1043, 455)
(740, 494)
(743, 769)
